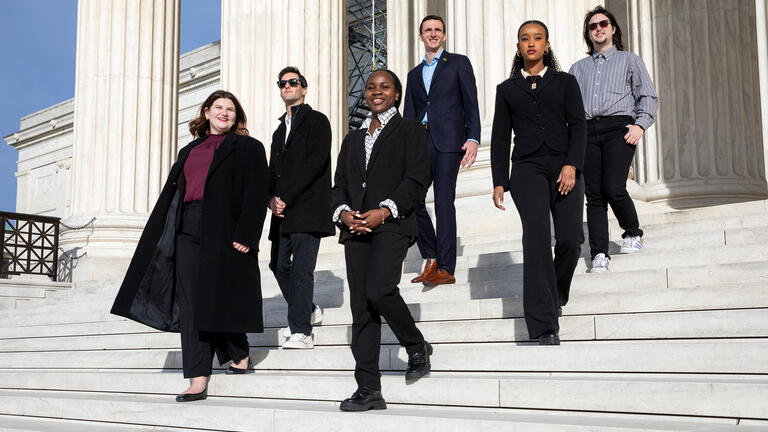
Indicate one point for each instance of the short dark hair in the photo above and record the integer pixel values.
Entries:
(293, 69)
(432, 17)
(398, 84)
(599, 9)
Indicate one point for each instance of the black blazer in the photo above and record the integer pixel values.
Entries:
(553, 114)
(398, 169)
(228, 290)
(451, 104)
(300, 174)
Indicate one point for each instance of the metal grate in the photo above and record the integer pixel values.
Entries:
(29, 244)
(367, 36)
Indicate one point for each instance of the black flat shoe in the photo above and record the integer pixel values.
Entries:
(364, 399)
(550, 337)
(418, 364)
(237, 371)
(191, 397)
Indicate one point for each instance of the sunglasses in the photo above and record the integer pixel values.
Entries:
(603, 24)
(294, 82)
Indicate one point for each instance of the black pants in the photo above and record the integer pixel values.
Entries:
(374, 267)
(606, 165)
(546, 283)
(294, 257)
(198, 347)
(440, 244)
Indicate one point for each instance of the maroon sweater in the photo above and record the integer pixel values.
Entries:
(197, 165)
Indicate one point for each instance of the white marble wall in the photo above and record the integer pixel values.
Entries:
(259, 38)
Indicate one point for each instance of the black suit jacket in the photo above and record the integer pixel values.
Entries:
(451, 104)
(553, 114)
(300, 173)
(398, 169)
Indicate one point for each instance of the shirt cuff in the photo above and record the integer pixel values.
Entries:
(474, 141)
(388, 203)
(337, 213)
(643, 123)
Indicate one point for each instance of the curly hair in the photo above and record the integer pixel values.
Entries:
(199, 126)
(550, 60)
(599, 9)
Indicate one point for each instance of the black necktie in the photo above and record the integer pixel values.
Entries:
(532, 80)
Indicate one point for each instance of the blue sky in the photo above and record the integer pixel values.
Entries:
(39, 39)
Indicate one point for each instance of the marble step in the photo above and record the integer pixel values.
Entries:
(699, 395)
(641, 301)
(10, 423)
(733, 356)
(245, 414)
(658, 325)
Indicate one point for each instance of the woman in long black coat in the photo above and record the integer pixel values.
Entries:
(195, 269)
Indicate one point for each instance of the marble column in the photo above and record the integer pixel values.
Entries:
(125, 127)
(259, 38)
(486, 32)
(761, 15)
(707, 146)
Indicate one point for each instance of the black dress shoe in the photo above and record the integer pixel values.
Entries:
(549, 337)
(237, 371)
(191, 397)
(559, 311)
(418, 364)
(364, 399)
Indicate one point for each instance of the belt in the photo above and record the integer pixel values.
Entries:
(426, 125)
(616, 117)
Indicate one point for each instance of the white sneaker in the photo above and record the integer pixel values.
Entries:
(285, 332)
(601, 264)
(632, 244)
(298, 341)
(317, 316)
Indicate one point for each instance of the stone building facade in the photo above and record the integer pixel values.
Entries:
(105, 153)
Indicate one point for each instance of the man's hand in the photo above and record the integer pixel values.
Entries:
(634, 134)
(277, 206)
(498, 197)
(567, 179)
(241, 247)
(470, 154)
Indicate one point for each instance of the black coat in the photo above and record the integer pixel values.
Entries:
(300, 174)
(228, 293)
(398, 169)
(552, 114)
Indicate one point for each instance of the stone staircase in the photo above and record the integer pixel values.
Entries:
(675, 339)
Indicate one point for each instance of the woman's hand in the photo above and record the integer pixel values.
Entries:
(375, 218)
(498, 197)
(567, 179)
(241, 247)
(354, 222)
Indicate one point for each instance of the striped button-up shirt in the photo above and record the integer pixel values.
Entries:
(616, 83)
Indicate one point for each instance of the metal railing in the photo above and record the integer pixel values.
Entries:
(29, 244)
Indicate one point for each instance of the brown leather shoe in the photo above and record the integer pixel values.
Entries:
(440, 277)
(429, 269)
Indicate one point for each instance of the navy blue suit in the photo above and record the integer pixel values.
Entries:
(453, 115)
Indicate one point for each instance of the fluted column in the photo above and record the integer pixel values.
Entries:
(259, 38)
(707, 144)
(125, 126)
(761, 14)
(486, 32)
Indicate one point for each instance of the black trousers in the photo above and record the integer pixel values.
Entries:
(374, 267)
(606, 166)
(294, 257)
(546, 282)
(198, 347)
(440, 244)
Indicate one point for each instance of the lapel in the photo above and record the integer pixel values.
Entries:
(297, 114)
(439, 67)
(523, 84)
(222, 152)
(546, 79)
(359, 150)
(419, 77)
(386, 132)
